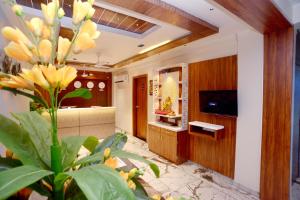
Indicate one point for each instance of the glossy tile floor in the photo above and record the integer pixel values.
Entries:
(296, 191)
(188, 180)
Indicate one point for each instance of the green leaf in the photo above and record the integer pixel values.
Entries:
(70, 147)
(73, 192)
(91, 143)
(33, 97)
(114, 142)
(15, 138)
(13, 180)
(40, 188)
(39, 130)
(95, 158)
(124, 154)
(7, 163)
(60, 179)
(101, 182)
(140, 192)
(81, 92)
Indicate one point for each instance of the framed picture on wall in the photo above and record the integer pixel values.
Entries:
(150, 87)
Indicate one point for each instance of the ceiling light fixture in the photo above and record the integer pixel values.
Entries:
(154, 46)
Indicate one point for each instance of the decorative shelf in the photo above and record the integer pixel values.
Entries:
(169, 116)
(206, 130)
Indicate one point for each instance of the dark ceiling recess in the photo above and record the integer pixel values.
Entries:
(102, 16)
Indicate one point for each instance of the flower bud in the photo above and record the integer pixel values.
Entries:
(17, 9)
(61, 13)
(90, 13)
(106, 152)
(133, 172)
(91, 2)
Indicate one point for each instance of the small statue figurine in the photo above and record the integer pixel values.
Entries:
(167, 105)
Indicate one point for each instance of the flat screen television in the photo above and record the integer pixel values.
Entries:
(223, 102)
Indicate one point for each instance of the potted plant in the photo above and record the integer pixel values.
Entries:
(41, 161)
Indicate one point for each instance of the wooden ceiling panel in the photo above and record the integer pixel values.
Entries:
(102, 16)
(162, 11)
(118, 18)
(106, 17)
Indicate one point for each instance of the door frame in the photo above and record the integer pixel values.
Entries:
(134, 112)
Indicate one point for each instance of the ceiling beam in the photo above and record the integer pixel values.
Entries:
(262, 15)
(169, 14)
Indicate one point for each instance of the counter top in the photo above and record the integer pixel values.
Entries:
(165, 126)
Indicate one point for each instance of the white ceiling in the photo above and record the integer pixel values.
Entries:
(115, 45)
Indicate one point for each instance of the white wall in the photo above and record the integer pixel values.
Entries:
(8, 102)
(249, 47)
(250, 100)
(200, 50)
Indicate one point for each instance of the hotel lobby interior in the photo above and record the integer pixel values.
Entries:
(150, 99)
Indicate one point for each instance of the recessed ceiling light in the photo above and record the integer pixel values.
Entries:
(141, 45)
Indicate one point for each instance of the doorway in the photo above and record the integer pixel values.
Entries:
(296, 124)
(140, 106)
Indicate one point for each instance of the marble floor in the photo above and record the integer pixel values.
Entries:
(296, 191)
(188, 180)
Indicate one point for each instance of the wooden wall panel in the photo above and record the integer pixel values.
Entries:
(276, 139)
(100, 98)
(266, 18)
(217, 74)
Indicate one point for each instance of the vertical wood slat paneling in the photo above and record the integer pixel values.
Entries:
(216, 74)
(276, 138)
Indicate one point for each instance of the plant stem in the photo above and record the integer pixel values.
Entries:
(56, 157)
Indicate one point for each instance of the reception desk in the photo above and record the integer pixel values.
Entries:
(94, 121)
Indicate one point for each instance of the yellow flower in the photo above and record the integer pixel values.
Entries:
(107, 152)
(49, 11)
(45, 48)
(35, 75)
(83, 42)
(35, 25)
(63, 48)
(170, 198)
(18, 51)
(61, 13)
(132, 172)
(124, 175)
(46, 32)
(90, 27)
(80, 10)
(156, 197)
(16, 36)
(131, 185)
(66, 76)
(17, 9)
(17, 82)
(51, 74)
(111, 162)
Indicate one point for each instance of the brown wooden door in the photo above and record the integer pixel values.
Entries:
(140, 107)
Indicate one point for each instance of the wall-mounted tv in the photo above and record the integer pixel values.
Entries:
(223, 102)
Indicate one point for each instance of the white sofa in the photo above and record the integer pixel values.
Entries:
(95, 121)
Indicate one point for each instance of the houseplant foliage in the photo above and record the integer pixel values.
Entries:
(41, 161)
